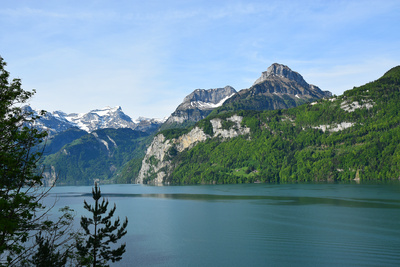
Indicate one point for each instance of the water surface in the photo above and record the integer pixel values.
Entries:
(254, 224)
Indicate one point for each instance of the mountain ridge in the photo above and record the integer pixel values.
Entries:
(352, 137)
(197, 105)
(277, 88)
(107, 117)
(341, 138)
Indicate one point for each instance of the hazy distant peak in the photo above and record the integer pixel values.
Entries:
(107, 117)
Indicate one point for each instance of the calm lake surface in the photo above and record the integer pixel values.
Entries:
(254, 224)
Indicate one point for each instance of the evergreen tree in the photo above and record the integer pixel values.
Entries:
(101, 232)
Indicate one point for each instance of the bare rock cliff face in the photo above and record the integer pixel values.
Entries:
(156, 164)
(154, 161)
(189, 139)
(235, 131)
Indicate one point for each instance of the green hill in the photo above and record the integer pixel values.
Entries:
(352, 136)
(101, 155)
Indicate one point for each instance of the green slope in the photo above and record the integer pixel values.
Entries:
(305, 143)
(100, 155)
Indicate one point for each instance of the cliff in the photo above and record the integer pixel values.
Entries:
(156, 165)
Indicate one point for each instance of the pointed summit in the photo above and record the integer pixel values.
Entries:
(278, 88)
(282, 71)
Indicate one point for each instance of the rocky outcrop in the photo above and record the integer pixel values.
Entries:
(157, 159)
(232, 132)
(49, 176)
(188, 140)
(154, 161)
(156, 165)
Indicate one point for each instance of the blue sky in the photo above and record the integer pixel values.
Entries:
(146, 56)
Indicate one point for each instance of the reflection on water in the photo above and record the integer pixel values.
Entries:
(256, 225)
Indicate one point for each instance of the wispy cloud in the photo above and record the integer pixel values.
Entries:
(147, 54)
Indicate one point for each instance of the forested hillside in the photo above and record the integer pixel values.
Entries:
(98, 155)
(352, 136)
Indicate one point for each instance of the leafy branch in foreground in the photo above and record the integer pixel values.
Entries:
(55, 242)
(27, 236)
(19, 199)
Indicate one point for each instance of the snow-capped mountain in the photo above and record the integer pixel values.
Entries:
(108, 117)
(199, 104)
(99, 119)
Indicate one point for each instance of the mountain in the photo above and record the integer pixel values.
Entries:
(107, 117)
(76, 157)
(55, 142)
(197, 105)
(52, 123)
(93, 145)
(148, 125)
(354, 136)
(278, 88)
(99, 119)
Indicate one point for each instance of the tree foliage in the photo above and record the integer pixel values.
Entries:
(305, 143)
(105, 154)
(101, 233)
(28, 235)
(55, 242)
(19, 177)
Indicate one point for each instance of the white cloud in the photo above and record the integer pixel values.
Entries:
(147, 56)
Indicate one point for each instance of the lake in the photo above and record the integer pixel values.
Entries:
(253, 224)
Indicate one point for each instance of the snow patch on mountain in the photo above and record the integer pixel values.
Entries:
(209, 105)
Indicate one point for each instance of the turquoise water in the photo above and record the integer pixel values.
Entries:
(254, 224)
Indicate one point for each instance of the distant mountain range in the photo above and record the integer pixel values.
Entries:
(107, 144)
(58, 121)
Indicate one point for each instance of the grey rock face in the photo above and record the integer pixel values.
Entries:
(278, 88)
(207, 99)
(197, 105)
(283, 71)
(279, 72)
(156, 165)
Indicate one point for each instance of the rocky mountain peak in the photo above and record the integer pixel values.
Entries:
(211, 96)
(197, 105)
(282, 71)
